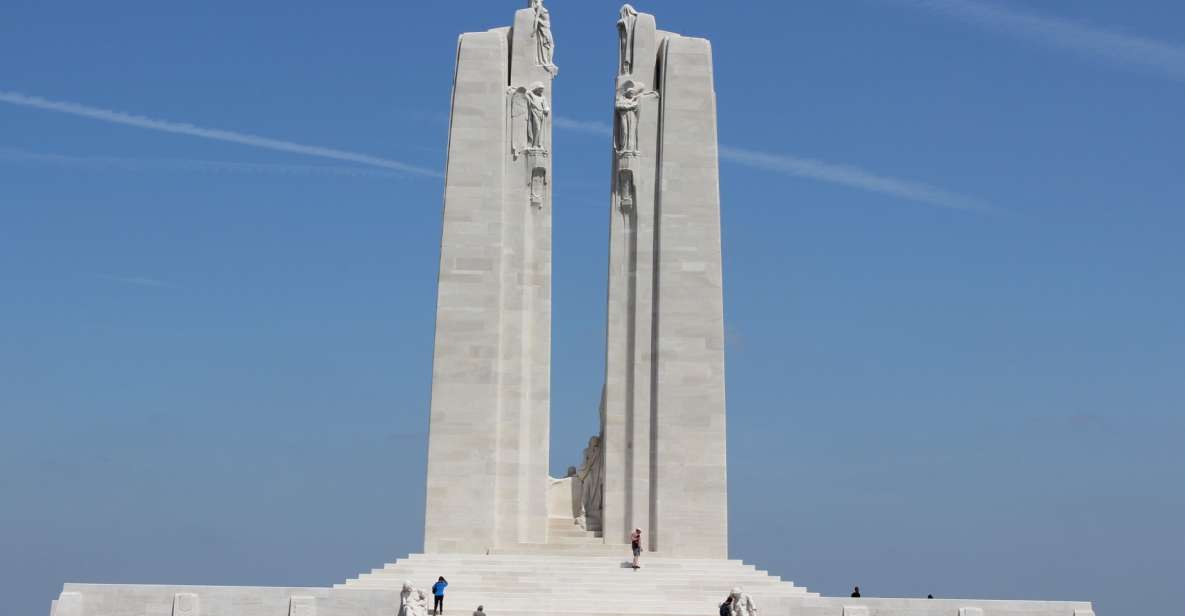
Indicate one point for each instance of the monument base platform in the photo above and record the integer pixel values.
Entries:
(562, 583)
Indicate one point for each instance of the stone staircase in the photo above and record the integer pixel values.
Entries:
(575, 578)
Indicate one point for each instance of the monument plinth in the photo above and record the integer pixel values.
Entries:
(504, 533)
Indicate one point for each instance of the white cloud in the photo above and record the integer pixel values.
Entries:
(105, 115)
(1126, 50)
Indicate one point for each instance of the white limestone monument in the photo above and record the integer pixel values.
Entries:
(506, 534)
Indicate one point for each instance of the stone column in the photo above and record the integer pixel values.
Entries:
(489, 427)
(627, 428)
(690, 479)
(466, 400)
(664, 414)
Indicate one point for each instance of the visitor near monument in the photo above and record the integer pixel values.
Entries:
(438, 595)
(539, 545)
(636, 546)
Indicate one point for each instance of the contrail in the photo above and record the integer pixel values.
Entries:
(854, 177)
(204, 166)
(845, 175)
(1133, 52)
(105, 115)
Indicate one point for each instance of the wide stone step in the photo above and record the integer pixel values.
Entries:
(573, 559)
(619, 572)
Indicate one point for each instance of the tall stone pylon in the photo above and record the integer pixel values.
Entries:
(489, 424)
(664, 411)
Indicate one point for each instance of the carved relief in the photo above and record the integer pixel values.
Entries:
(538, 183)
(185, 604)
(591, 476)
(518, 120)
(625, 35)
(412, 601)
(742, 604)
(538, 114)
(627, 196)
(628, 104)
(529, 117)
(544, 42)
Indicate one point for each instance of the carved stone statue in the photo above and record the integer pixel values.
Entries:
(628, 116)
(538, 112)
(544, 42)
(741, 604)
(591, 477)
(412, 601)
(625, 33)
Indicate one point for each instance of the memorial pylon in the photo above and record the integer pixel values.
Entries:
(489, 422)
(664, 413)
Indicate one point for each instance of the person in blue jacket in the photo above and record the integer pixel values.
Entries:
(438, 595)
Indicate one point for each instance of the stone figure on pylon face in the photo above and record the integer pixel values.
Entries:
(529, 115)
(544, 41)
(625, 34)
(538, 113)
(629, 100)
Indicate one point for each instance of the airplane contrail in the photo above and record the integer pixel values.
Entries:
(182, 164)
(1135, 52)
(116, 117)
(833, 173)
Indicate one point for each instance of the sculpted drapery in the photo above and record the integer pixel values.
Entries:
(544, 41)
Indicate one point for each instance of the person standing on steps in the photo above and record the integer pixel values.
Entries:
(636, 545)
(480, 611)
(438, 595)
(856, 592)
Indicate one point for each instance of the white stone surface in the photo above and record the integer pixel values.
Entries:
(489, 423)
(855, 610)
(68, 604)
(970, 611)
(302, 606)
(186, 604)
(690, 483)
(540, 585)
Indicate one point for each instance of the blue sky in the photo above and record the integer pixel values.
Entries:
(953, 269)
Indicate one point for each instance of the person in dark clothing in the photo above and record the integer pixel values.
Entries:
(856, 592)
(929, 596)
(438, 595)
(636, 546)
(726, 607)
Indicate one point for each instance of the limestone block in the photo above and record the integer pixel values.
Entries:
(855, 610)
(302, 606)
(186, 604)
(68, 604)
(1083, 612)
(970, 611)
